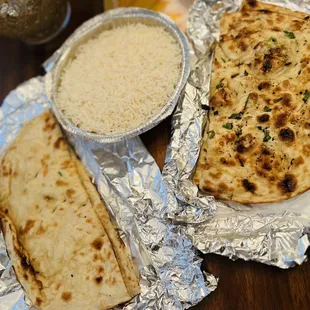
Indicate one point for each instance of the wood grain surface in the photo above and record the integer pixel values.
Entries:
(242, 285)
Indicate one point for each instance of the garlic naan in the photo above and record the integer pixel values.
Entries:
(256, 147)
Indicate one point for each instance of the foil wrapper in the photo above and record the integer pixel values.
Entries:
(274, 234)
(101, 22)
(137, 198)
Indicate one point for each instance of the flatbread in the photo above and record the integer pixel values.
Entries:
(129, 274)
(64, 249)
(256, 147)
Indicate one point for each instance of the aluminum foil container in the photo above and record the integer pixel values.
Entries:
(275, 233)
(104, 21)
(137, 198)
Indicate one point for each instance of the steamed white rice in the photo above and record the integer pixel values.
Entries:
(121, 78)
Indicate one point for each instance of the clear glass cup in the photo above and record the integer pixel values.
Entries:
(33, 21)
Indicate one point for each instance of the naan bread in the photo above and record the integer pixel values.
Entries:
(65, 251)
(256, 147)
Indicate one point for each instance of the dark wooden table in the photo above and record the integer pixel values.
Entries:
(243, 285)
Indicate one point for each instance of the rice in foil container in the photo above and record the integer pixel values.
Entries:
(138, 199)
(89, 29)
(274, 234)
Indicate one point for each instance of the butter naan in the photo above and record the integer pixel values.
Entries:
(256, 147)
(65, 251)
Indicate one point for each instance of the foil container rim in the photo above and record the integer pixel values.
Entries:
(91, 25)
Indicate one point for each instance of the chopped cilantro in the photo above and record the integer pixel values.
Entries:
(211, 134)
(239, 132)
(306, 96)
(246, 102)
(277, 100)
(224, 61)
(59, 172)
(246, 73)
(216, 112)
(289, 34)
(273, 39)
(228, 126)
(266, 109)
(236, 115)
(220, 85)
(266, 135)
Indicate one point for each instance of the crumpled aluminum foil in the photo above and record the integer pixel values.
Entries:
(274, 234)
(136, 196)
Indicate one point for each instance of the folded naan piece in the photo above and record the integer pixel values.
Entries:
(65, 251)
(256, 146)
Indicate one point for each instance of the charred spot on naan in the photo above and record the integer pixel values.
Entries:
(249, 186)
(26, 265)
(222, 98)
(49, 123)
(60, 142)
(98, 280)
(70, 192)
(61, 183)
(208, 187)
(288, 184)
(38, 302)
(286, 135)
(296, 162)
(251, 3)
(66, 296)
(287, 100)
(264, 85)
(6, 171)
(245, 144)
(215, 175)
(307, 125)
(227, 162)
(97, 244)
(281, 119)
(48, 198)
(263, 118)
(273, 59)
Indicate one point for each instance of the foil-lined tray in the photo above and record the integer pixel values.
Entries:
(137, 198)
(274, 234)
(101, 22)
